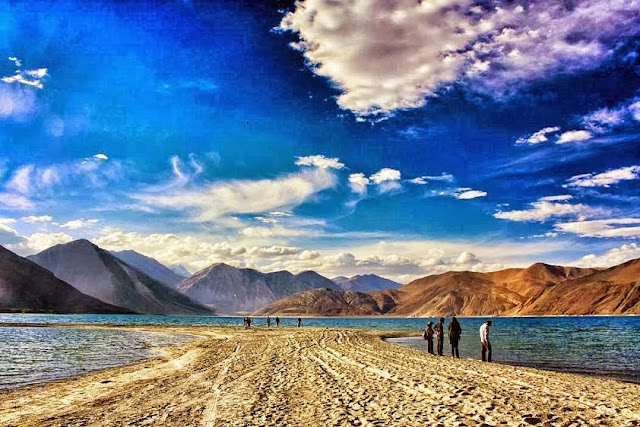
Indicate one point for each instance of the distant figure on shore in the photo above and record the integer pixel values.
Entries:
(248, 322)
(268, 322)
(277, 322)
(244, 322)
(484, 341)
(439, 329)
(428, 336)
(455, 331)
(299, 322)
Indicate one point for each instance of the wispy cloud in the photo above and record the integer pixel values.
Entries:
(539, 136)
(468, 193)
(574, 136)
(604, 179)
(547, 208)
(320, 161)
(618, 227)
(79, 223)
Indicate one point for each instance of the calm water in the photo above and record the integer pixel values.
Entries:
(604, 346)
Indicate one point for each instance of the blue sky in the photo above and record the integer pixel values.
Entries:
(402, 138)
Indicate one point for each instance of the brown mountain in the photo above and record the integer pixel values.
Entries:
(323, 302)
(539, 289)
(233, 290)
(615, 290)
(468, 293)
(98, 273)
(27, 287)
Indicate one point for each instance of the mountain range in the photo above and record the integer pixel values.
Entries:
(98, 273)
(365, 283)
(540, 289)
(231, 290)
(151, 267)
(27, 287)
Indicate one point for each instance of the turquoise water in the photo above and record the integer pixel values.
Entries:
(600, 345)
(33, 354)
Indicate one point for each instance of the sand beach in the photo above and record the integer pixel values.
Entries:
(312, 376)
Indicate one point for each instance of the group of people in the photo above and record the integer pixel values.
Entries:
(436, 331)
(247, 322)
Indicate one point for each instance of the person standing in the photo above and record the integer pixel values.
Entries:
(439, 329)
(455, 331)
(248, 322)
(277, 322)
(299, 322)
(484, 341)
(244, 322)
(428, 336)
(268, 322)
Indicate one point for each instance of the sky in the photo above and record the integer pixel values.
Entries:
(400, 138)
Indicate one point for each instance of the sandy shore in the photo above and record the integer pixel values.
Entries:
(311, 377)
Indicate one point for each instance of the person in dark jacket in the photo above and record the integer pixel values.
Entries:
(439, 329)
(268, 321)
(428, 336)
(277, 322)
(299, 322)
(455, 331)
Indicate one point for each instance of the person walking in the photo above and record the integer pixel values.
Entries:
(277, 322)
(484, 341)
(299, 322)
(268, 322)
(439, 329)
(455, 331)
(428, 336)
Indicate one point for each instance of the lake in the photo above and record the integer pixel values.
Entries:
(597, 345)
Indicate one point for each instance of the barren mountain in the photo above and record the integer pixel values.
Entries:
(323, 302)
(232, 290)
(365, 283)
(151, 267)
(25, 286)
(98, 273)
(615, 290)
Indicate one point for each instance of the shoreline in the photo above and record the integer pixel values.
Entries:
(314, 376)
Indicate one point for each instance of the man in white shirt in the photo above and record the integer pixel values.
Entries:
(484, 341)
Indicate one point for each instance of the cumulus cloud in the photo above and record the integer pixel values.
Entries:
(386, 179)
(100, 156)
(468, 193)
(604, 179)
(320, 161)
(358, 183)
(8, 235)
(547, 208)
(79, 223)
(574, 136)
(619, 227)
(34, 218)
(539, 136)
(40, 241)
(467, 258)
(607, 119)
(385, 56)
(612, 257)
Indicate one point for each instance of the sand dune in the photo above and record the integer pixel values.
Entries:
(317, 377)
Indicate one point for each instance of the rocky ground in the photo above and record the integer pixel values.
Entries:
(310, 377)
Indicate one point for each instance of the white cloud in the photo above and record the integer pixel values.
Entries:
(358, 183)
(79, 223)
(20, 182)
(574, 136)
(33, 218)
(467, 258)
(539, 136)
(16, 103)
(559, 198)
(619, 227)
(604, 179)
(15, 201)
(224, 198)
(385, 56)
(422, 180)
(320, 161)
(607, 119)
(468, 193)
(612, 257)
(100, 156)
(40, 241)
(545, 209)
(384, 175)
